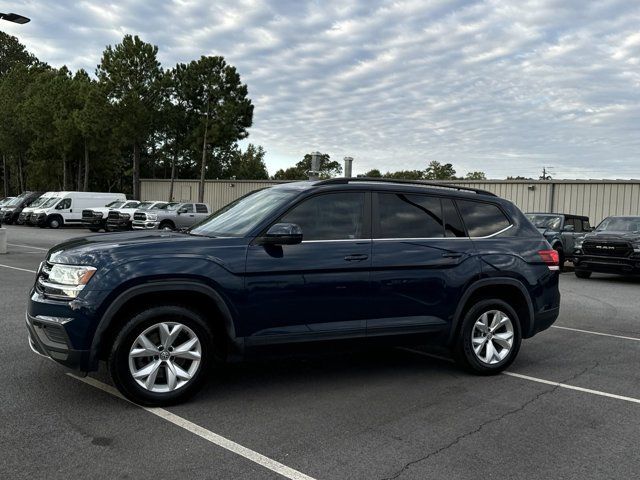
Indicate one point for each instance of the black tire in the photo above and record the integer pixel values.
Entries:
(583, 273)
(119, 357)
(94, 230)
(55, 222)
(167, 225)
(463, 350)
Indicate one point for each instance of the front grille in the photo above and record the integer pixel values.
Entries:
(140, 216)
(114, 215)
(607, 249)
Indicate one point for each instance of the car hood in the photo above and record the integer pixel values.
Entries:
(112, 248)
(612, 236)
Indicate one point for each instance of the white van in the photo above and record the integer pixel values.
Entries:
(65, 208)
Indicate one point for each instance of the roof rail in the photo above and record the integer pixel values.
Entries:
(345, 181)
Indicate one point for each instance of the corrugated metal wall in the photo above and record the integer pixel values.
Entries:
(594, 198)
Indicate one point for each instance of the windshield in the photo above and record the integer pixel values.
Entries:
(240, 216)
(171, 206)
(145, 205)
(620, 224)
(158, 206)
(116, 204)
(37, 202)
(552, 222)
(50, 202)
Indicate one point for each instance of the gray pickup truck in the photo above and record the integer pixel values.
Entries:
(561, 231)
(173, 216)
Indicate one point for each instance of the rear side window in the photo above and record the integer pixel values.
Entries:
(201, 208)
(453, 226)
(482, 219)
(333, 216)
(409, 216)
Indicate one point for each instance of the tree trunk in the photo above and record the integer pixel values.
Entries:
(203, 166)
(20, 173)
(85, 187)
(173, 174)
(5, 175)
(79, 177)
(64, 172)
(136, 171)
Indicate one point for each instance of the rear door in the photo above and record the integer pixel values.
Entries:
(569, 238)
(202, 211)
(320, 287)
(422, 260)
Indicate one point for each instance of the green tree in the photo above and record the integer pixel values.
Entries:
(247, 165)
(475, 176)
(131, 76)
(438, 171)
(375, 173)
(300, 171)
(406, 175)
(12, 53)
(214, 95)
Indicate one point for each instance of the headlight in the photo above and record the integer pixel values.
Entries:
(578, 243)
(64, 281)
(152, 216)
(636, 247)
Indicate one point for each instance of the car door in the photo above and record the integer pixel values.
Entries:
(202, 212)
(65, 209)
(422, 260)
(320, 287)
(186, 216)
(569, 238)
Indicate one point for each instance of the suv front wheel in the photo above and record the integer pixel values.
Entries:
(490, 337)
(161, 356)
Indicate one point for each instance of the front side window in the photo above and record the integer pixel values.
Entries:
(64, 204)
(482, 219)
(409, 216)
(332, 216)
(187, 208)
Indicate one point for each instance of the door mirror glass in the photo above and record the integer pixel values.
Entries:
(282, 234)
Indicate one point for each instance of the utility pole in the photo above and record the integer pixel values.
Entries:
(545, 174)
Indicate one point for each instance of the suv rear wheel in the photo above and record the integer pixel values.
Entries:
(583, 273)
(161, 356)
(490, 337)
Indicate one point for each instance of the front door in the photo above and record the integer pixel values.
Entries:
(316, 289)
(422, 260)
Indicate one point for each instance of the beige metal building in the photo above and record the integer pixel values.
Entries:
(594, 198)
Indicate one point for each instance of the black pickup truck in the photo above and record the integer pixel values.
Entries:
(614, 247)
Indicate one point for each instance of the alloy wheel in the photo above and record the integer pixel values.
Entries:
(492, 337)
(165, 357)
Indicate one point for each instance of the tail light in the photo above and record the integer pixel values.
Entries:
(551, 258)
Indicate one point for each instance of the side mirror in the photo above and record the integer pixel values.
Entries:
(568, 228)
(282, 234)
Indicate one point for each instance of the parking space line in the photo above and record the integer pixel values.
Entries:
(573, 387)
(27, 246)
(202, 432)
(636, 339)
(17, 268)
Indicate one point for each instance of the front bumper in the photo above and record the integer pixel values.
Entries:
(48, 337)
(145, 225)
(39, 219)
(607, 264)
(93, 222)
(119, 224)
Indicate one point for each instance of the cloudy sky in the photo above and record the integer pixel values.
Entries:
(505, 87)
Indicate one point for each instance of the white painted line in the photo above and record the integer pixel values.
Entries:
(540, 380)
(636, 339)
(573, 387)
(16, 268)
(28, 246)
(208, 435)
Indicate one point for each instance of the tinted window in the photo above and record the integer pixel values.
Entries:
(201, 208)
(131, 205)
(409, 216)
(586, 226)
(453, 226)
(482, 219)
(334, 216)
(576, 222)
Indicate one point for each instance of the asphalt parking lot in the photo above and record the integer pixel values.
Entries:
(569, 407)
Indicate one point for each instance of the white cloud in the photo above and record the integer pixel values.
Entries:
(500, 86)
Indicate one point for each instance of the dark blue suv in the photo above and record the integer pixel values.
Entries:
(333, 260)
